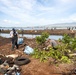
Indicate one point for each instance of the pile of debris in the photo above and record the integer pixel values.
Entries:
(10, 64)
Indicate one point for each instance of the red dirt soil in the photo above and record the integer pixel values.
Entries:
(35, 67)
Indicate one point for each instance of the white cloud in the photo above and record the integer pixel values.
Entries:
(33, 13)
(43, 8)
(6, 21)
(73, 17)
(9, 22)
(65, 1)
(27, 4)
(17, 23)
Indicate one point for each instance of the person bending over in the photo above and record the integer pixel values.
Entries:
(52, 43)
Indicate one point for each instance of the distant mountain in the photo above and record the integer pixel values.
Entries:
(72, 24)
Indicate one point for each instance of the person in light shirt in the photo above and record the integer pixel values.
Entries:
(52, 43)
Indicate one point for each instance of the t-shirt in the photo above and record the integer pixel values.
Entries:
(12, 34)
(53, 43)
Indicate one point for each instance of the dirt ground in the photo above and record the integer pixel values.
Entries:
(35, 67)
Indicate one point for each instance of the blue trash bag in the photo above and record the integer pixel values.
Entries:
(28, 50)
(20, 41)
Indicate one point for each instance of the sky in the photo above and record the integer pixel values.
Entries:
(24, 13)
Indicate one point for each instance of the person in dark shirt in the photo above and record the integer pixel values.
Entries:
(14, 38)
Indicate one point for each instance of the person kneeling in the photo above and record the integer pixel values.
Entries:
(52, 43)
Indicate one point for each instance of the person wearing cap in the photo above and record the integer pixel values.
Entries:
(14, 38)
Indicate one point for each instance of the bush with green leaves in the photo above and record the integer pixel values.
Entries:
(38, 54)
(65, 59)
(66, 39)
(61, 54)
(58, 55)
(71, 42)
(41, 39)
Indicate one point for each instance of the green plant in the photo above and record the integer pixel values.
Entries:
(73, 43)
(70, 42)
(41, 39)
(42, 55)
(62, 52)
(66, 39)
(65, 59)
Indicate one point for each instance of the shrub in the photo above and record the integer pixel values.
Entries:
(65, 59)
(66, 39)
(41, 39)
(61, 54)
